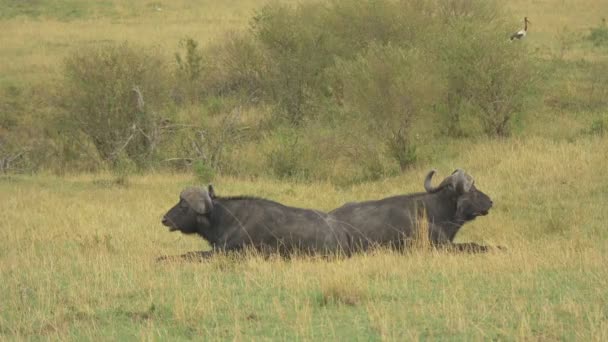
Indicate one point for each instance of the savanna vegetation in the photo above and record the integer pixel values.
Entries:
(108, 109)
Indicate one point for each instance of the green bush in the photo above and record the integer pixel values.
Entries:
(484, 74)
(387, 76)
(234, 66)
(27, 141)
(463, 45)
(13, 157)
(296, 47)
(387, 85)
(387, 88)
(112, 95)
(189, 71)
(288, 160)
(378, 70)
(597, 93)
(201, 140)
(599, 34)
(301, 43)
(13, 153)
(400, 148)
(203, 172)
(599, 127)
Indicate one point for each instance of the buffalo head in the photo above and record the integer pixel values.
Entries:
(470, 202)
(191, 212)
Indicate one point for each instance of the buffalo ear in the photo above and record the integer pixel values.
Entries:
(198, 199)
(211, 191)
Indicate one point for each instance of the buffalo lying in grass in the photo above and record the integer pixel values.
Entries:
(392, 222)
(235, 223)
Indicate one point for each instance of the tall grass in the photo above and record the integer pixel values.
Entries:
(77, 260)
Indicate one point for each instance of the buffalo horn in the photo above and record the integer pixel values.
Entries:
(427, 182)
(462, 181)
(198, 199)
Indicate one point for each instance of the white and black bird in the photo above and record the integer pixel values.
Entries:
(521, 33)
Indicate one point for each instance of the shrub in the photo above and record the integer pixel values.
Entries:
(13, 156)
(189, 71)
(501, 89)
(236, 65)
(387, 88)
(599, 127)
(200, 142)
(297, 48)
(484, 73)
(301, 43)
(377, 71)
(382, 84)
(203, 172)
(26, 128)
(301, 49)
(288, 159)
(112, 95)
(13, 153)
(190, 66)
(400, 148)
(599, 35)
(597, 93)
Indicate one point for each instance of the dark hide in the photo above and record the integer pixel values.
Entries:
(235, 223)
(393, 221)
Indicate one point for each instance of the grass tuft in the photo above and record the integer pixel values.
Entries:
(342, 288)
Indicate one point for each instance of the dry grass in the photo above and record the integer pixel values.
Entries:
(550, 18)
(34, 47)
(77, 260)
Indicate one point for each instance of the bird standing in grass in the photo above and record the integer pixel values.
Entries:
(521, 33)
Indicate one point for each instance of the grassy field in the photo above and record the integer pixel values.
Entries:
(36, 37)
(77, 253)
(42, 40)
(77, 261)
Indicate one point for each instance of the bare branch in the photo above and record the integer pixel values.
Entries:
(139, 99)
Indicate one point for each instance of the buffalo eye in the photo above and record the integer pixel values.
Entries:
(183, 206)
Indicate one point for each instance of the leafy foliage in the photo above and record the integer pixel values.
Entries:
(112, 95)
(599, 34)
(365, 85)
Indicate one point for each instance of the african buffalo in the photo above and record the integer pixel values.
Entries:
(234, 223)
(392, 221)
